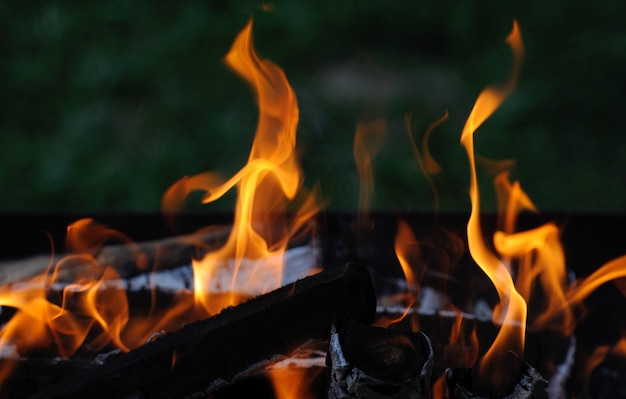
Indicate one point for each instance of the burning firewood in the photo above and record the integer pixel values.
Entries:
(211, 353)
(129, 259)
(374, 362)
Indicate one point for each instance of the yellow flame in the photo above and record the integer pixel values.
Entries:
(511, 311)
(89, 302)
(92, 302)
(407, 251)
(266, 185)
(610, 271)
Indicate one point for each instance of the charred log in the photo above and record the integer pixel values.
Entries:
(514, 379)
(211, 353)
(373, 362)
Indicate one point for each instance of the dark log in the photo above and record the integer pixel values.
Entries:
(301, 374)
(463, 383)
(208, 354)
(128, 259)
(372, 362)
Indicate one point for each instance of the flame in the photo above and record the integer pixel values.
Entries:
(540, 266)
(368, 141)
(537, 254)
(512, 200)
(407, 251)
(253, 253)
(461, 351)
(426, 162)
(511, 311)
(293, 383)
(91, 304)
(610, 271)
(439, 390)
(600, 354)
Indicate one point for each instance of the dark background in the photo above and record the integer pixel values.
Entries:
(104, 106)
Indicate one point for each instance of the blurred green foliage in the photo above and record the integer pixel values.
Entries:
(105, 105)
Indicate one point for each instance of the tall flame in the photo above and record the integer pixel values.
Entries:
(426, 162)
(92, 303)
(511, 311)
(266, 184)
(368, 141)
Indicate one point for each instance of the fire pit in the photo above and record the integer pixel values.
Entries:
(372, 305)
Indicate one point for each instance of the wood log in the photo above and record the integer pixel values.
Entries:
(527, 383)
(128, 259)
(373, 362)
(208, 354)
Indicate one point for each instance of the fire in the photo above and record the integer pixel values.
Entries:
(91, 303)
(91, 310)
(293, 383)
(78, 303)
(537, 259)
(407, 250)
(368, 141)
(511, 312)
(426, 162)
(253, 254)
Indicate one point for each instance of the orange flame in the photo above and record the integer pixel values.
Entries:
(540, 263)
(407, 251)
(439, 390)
(426, 162)
(368, 141)
(253, 254)
(293, 383)
(601, 352)
(511, 311)
(91, 303)
(511, 201)
(463, 350)
(610, 271)
(537, 253)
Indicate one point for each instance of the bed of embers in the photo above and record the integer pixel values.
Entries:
(280, 299)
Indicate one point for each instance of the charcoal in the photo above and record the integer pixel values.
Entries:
(373, 362)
